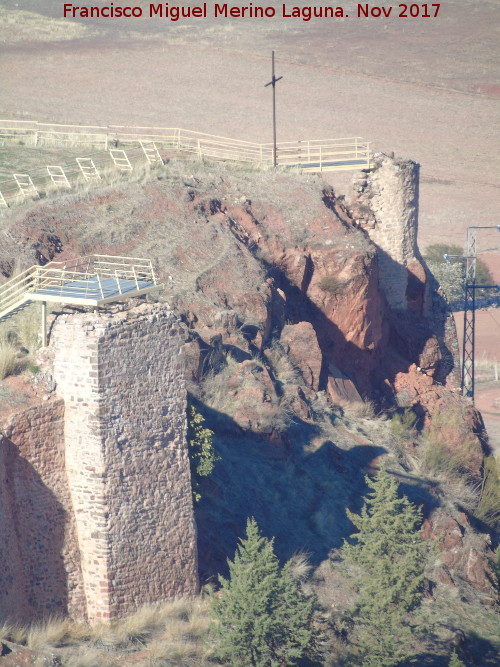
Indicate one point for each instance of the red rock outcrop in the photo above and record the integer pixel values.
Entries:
(463, 553)
(341, 287)
(300, 342)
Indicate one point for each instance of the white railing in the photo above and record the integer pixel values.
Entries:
(312, 155)
(79, 278)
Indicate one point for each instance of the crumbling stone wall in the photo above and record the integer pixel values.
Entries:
(40, 572)
(96, 514)
(121, 378)
(385, 203)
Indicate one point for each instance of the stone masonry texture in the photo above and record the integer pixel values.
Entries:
(40, 572)
(385, 202)
(97, 516)
(121, 377)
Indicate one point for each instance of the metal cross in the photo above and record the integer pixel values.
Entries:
(272, 83)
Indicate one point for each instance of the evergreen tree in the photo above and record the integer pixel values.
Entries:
(455, 660)
(387, 548)
(263, 617)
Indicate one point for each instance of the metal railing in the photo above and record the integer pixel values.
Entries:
(201, 143)
(313, 155)
(92, 277)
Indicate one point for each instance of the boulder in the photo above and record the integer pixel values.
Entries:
(301, 343)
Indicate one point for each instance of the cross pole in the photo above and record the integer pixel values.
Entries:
(272, 83)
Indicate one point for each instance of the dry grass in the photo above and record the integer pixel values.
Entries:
(451, 469)
(22, 330)
(109, 174)
(301, 568)
(138, 627)
(357, 409)
(284, 370)
(14, 633)
(172, 633)
(488, 507)
(52, 632)
(27, 325)
(8, 358)
(86, 657)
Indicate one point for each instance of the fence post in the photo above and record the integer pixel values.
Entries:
(118, 285)
(320, 158)
(135, 276)
(152, 272)
(44, 324)
(100, 284)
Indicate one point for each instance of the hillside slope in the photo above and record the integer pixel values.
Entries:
(294, 356)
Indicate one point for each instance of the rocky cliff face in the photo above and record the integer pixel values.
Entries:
(296, 302)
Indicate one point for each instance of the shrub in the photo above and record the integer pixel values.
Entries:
(330, 284)
(455, 660)
(451, 274)
(202, 456)
(403, 424)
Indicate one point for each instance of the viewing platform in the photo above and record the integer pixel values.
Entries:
(92, 280)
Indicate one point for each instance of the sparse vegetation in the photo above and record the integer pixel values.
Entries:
(455, 660)
(202, 456)
(8, 358)
(172, 633)
(403, 424)
(330, 284)
(451, 274)
(488, 508)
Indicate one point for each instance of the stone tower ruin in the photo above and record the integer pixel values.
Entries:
(95, 493)
(385, 203)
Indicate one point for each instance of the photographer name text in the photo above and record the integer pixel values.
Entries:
(217, 10)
